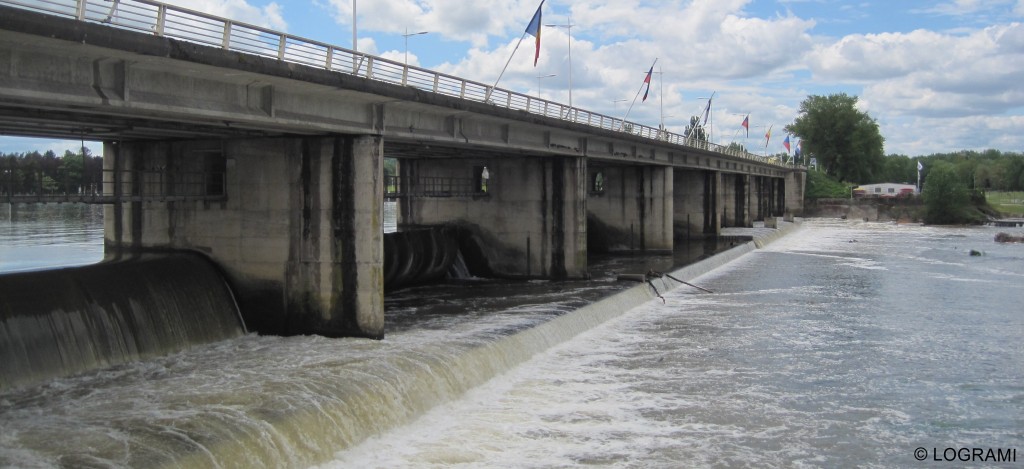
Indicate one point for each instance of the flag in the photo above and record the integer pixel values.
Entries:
(533, 29)
(919, 166)
(707, 112)
(647, 81)
(768, 136)
(798, 149)
(785, 143)
(746, 124)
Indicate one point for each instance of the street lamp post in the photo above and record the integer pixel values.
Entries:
(406, 36)
(568, 30)
(538, 83)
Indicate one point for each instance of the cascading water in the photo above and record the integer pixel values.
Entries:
(61, 322)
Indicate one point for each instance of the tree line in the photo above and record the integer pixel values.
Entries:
(47, 173)
(849, 147)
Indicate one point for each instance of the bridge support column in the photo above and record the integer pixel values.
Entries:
(630, 208)
(795, 184)
(691, 197)
(735, 201)
(713, 204)
(298, 234)
(529, 222)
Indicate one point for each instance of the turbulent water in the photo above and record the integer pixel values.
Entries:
(842, 344)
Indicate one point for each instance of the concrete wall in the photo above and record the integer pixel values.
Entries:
(690, 202)
(796, 183)
(299, 234)
(634, 211)
(531, 222)
(734, 200)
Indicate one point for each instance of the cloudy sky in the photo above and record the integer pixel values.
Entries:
(937, 76)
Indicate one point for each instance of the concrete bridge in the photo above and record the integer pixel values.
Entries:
(265, 152)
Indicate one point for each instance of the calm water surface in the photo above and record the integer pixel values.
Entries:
(38, 236)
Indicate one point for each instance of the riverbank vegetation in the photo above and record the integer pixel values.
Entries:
(42, 173)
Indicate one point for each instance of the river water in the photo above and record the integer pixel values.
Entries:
(841, 344)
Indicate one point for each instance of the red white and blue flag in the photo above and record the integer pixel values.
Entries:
(647, 81)
(785, 143)
(533, 29)
(746, 124)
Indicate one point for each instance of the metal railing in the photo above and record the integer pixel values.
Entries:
(180, 23)
(396, 187)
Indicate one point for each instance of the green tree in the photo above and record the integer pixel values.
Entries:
(820, 186)
(845, 141)
(695, 130)
(946, 197)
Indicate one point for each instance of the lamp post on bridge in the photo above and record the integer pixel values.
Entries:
(406, 36)
(538, 84)
(568, 31)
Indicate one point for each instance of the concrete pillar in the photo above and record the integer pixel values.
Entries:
(298, 233)
(531, 221)
(632, 210)
(727, 199)
(743, 201)
(795, 184)
(780, 197)
(713, 205)
(689, 203)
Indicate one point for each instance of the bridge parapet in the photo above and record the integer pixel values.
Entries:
(180, 23)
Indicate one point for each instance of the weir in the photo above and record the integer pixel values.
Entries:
(61, 322)
(294, 412)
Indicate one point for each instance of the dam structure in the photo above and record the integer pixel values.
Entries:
(264, 152)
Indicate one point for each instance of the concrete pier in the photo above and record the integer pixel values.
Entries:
(299, 236)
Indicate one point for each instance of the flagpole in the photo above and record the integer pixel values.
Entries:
(491, 89)
(536, 33)
(661, 97)
(623, 123)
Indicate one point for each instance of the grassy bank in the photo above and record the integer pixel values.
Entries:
(1008, 203)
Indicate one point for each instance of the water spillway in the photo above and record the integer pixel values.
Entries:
(419, 255)
(267, 401)
(61, 322)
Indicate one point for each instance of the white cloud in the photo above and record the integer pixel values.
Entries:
(928, 73)
(269, 16)
(473, 22)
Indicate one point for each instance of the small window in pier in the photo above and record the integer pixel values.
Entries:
(214, 173)
(481, 177)
(597, 183)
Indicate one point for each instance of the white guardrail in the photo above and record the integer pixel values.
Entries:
(181, 23)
